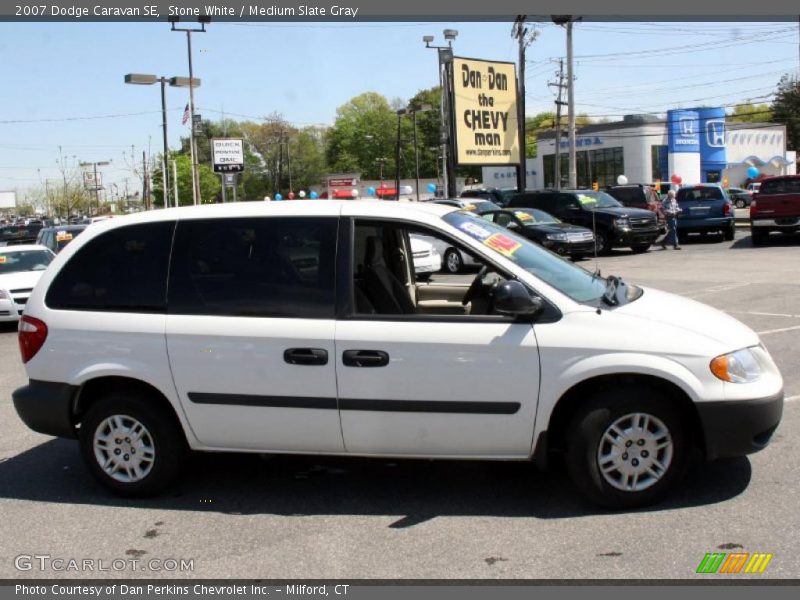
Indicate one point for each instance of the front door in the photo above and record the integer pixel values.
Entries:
(416, 376)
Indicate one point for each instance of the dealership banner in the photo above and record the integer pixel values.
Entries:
(485, 112)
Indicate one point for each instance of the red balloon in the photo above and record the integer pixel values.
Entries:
(676, 179)
(291, 195)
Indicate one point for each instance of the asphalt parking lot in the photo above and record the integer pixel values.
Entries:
(306, 517)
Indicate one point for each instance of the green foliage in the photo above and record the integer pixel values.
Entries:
(786, 109)
(210, 186)
(751, 113)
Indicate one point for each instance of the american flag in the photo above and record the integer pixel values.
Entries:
(185, 115)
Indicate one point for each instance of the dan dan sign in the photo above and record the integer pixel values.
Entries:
(485, 112)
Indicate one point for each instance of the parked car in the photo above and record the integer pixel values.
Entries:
(705, 209)
(477, 206)
(613, 224)
(640, 196)
(544, 229)
(175, 330)
(21, 267)
(776, 207)
(19, 234)
(501, 197)
(753, 187)
(56, 238)
(740, 198)
(427, 259)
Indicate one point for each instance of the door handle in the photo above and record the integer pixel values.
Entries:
(365, 358)
(306, 356)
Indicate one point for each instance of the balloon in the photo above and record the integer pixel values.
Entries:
(676, 179)
(622, 180)
(752, 172)
(371, 191)
(267, 199)
(432, 188)
(354, 193)
(301, 193)
(278, 197)
(291, 196)
(313, 195)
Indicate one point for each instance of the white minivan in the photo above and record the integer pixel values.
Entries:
(300, 327)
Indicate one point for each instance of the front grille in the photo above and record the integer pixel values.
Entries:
(582, 236)
(643, 222)
(4, 313)
(22, 291)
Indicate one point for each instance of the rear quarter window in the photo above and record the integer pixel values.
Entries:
(122, 270)
(780, 186)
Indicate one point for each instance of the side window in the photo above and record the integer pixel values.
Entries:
(122, 270)
(434, 283)
(254, 267)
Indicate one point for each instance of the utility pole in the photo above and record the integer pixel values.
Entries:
(559, 103)
(145, 183)
(174, 181)
(525, 37)
(573, 166)
(289, 163)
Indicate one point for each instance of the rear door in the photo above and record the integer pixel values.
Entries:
(779, 198)
(250, 332)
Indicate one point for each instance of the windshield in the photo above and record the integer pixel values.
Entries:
(590, 200)
(534, 216)
(24, 260)
(575, 282)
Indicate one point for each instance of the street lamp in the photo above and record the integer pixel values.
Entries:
(445, 54)
(192, 144)
(96, 164)
(143, 79)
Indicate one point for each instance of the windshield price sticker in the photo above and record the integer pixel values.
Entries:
(586, 199)
(474, 230)
(523, 216)
(63, 237)
(502, 244)
(2, 260)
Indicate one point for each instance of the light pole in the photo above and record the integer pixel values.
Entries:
(445, 60)
(142, 79)
(94, 165)
(382, 163)
(192, 144)
(400, 114)
(568, 20)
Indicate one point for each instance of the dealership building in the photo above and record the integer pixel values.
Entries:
(699, 145)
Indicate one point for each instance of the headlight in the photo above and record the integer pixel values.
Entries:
(557, 237)
(623, 223)
(741, 366)
(4, 295)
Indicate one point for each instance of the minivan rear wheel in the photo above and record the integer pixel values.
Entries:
(131, 444)
(626, 448)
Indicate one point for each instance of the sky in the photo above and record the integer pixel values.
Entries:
(63, 82)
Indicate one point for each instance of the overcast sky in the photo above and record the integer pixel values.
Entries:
(57, 73)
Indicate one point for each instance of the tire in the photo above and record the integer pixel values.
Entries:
(758, 238)
(640, 248)
(453, 263)
(602, 243)
(588, 440)
(730, 233)
(740, 204)
(160, 438)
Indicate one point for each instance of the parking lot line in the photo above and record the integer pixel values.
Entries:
(717, 288)
(762, 314)
(792, 398)
(778, 330)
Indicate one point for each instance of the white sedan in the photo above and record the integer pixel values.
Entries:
(20, 270)
(427, 259)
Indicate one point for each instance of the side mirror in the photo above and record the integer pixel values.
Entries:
(513, 298)
(512, 226)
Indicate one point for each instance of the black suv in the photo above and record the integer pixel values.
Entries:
(614, 225)
(498, 196)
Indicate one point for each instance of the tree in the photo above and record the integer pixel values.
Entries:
(786, 109)
(210, 185)
(751, 113)
(364, 131)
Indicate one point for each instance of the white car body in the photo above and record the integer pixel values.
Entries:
(427, 258)
(15, 288)
(440, 363)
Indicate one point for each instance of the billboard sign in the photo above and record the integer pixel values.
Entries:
(90, 182)
(228, 155)
(485, 112)
(8, 199)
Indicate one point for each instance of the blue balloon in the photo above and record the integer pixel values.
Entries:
(313, 195)
(752, 172)
(371, 191)
(432, 188)
(278, 197)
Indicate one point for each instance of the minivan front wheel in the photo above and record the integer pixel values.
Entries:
(131, 444)
(626, 449)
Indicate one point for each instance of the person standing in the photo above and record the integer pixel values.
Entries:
(671, 209)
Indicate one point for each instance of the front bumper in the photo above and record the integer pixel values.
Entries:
(739, 427)
(570, 248)
(46, 407)
(635, 237)
(10, 310)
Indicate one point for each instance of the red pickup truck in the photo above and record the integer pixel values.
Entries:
(775, 207)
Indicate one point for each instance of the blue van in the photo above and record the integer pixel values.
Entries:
(705, 208)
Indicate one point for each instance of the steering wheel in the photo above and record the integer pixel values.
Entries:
(475, 286)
